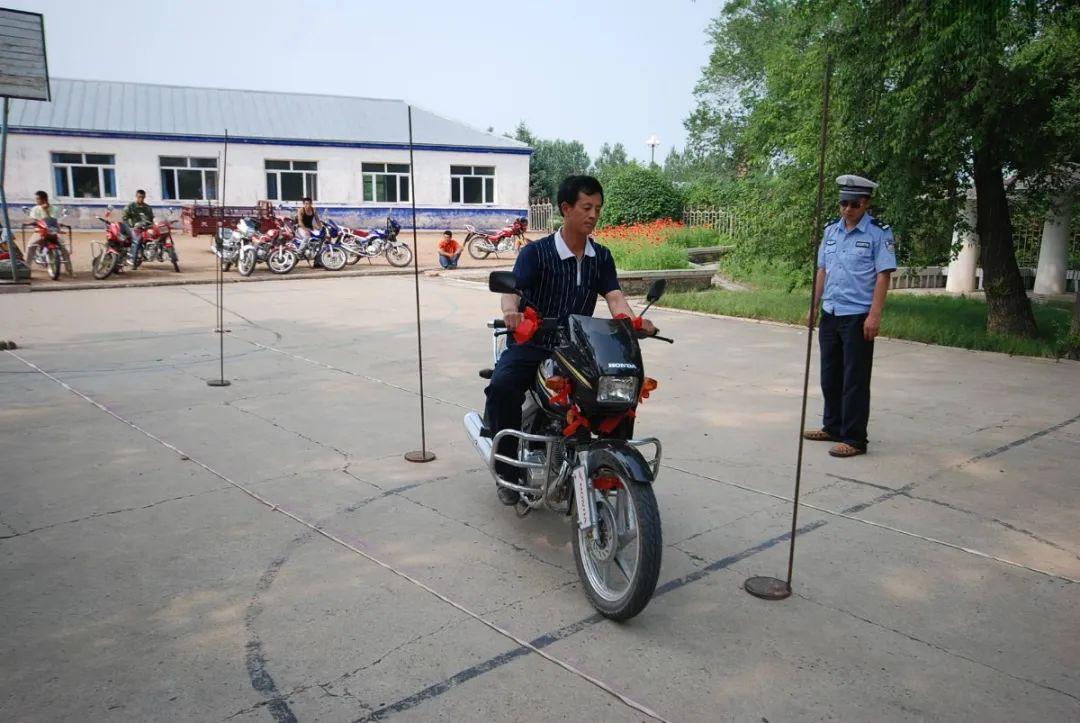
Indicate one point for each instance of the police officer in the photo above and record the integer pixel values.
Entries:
(856, 258)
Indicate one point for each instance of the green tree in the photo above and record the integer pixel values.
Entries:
(610, 158)
(929, 98)
(634, 193)
(551, 162)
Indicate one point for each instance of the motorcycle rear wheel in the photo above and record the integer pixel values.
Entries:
(472, 242)
(104, 265)
(619, 566)
(52, 262)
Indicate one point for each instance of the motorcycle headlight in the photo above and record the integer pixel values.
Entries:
(616, 389)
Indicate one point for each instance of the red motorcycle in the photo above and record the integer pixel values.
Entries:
(110, 256)
(512, 238)
(157, 242)
(50, 252)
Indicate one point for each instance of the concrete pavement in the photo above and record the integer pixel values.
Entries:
(185, 552)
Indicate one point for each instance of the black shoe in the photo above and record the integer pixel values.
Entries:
(508, 497)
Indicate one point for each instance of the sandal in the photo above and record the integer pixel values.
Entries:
(846, 450)
(818, 435)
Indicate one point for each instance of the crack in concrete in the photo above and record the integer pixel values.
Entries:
(939, 648)
(224, 488)
(301, 435)
(956, 508)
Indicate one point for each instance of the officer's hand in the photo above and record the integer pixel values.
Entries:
(648, 327)
(871, 326)
(512, 319)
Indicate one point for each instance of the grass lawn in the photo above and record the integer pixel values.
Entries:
(945, 320)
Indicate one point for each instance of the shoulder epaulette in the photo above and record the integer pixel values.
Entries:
(880, 224)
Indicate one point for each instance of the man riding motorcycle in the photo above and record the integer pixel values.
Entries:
(562, 274)
(137, 212)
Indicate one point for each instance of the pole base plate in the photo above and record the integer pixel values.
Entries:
(767, 588)
(218, 383)
(418, 455)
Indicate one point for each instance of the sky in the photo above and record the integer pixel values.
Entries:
(601, 71)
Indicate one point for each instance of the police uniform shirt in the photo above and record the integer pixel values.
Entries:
(561, 284)
(852, 260)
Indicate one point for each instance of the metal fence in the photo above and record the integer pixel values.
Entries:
(541, 216)
(717, 218)
(1027, 238)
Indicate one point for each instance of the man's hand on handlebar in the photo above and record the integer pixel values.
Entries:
(648, 327)
(512, 319)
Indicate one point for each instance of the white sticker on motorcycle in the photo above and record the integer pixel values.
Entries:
(583, 498)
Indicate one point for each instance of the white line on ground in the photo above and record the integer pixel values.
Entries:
(629, 702)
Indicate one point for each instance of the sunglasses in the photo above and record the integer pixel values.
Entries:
(853, 203)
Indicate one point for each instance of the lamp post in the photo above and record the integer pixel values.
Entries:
(652, 142)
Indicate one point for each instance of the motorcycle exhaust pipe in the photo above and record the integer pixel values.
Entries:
(473, 424)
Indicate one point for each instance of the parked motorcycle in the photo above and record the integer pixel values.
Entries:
(109, 257)
(275, 247)
(229, 243)
(332, 254)
(157, 241)
(512, 238)
(377, 242)
(50, 252)
(577, 450)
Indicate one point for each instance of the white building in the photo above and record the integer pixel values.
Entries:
(97, 142)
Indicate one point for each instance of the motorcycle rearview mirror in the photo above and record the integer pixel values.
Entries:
(502, 282)
(656, 290)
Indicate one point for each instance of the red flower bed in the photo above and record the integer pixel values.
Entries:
(652, 232)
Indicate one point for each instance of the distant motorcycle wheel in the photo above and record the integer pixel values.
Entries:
(473, 243)
(105, 264)
(399, 255)
(245, 264)
(281, 261)
(333, 258)
(52, 258)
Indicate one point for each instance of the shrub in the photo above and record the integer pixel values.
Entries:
(633, 194)
(694, 237)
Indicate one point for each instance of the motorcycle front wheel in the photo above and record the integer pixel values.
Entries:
(245, 264)
(619, 562)
(333, 258)
(52, 262)
(473, 243)
(105, 264)
(281, 261)
(175, 260)
(399, 255)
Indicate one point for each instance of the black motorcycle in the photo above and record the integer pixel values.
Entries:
(577, 447)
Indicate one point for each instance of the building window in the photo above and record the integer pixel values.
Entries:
(292, 180)
(385, 182)
(188, 179)
(472, 184)
(84, 175)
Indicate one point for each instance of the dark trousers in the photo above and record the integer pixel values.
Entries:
(846, 361)
(505, 394)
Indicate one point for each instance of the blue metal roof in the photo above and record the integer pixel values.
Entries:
(140, 109)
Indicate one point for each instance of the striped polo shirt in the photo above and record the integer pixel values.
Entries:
(558, 282)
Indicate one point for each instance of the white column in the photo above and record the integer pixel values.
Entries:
(1054, 249)
(961, 277)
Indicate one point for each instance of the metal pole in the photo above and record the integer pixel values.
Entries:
(769, 588)
(421, 455)
(221, 381)
(10, 235)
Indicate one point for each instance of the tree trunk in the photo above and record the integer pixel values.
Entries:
(1008, 309)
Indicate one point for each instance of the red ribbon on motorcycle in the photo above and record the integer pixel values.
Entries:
(527, 328)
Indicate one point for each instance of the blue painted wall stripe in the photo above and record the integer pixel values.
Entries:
(261, 141)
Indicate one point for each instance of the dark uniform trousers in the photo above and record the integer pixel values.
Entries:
(846, 361)
(510, 381)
